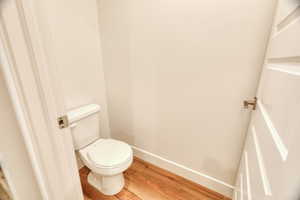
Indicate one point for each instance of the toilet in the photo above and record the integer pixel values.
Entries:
(106, 158)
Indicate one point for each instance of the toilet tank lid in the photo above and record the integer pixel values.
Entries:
(82, 112)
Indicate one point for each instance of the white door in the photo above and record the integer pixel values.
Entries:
(37, 100)
(270, 165)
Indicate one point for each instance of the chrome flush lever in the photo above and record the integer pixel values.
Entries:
(252, 103)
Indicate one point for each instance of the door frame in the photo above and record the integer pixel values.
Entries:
(37, 100)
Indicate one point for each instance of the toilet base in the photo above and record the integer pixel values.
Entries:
(108, 185)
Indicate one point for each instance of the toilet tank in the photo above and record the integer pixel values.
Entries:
(84, 123)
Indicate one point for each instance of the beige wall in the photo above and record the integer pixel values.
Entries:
(74, 46)
(13, 150)
(177, 72)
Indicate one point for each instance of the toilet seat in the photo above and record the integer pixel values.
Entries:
(107, 156)
(109, 153)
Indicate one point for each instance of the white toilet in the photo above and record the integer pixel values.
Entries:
(106, 158)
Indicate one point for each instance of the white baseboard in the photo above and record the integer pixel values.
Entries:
(190, 174)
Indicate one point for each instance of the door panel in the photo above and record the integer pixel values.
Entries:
(272, 159)
(239, 192)
(236, 193)
(256, 171)
(38, 100)
(243, 191)
(271, 151)
(282, 110)
(286, 42)
(243, 178)
(286, 7)
(247, 182)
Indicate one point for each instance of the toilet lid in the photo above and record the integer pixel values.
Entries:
(109, 153)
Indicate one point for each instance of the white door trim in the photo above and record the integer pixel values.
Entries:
(37, 101)
(20, 109)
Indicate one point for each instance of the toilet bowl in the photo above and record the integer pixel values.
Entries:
(106, 158)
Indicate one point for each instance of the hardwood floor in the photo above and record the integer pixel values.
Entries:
(86, 198)
(145, 181)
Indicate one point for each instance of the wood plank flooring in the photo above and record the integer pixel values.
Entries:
(145, 181)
